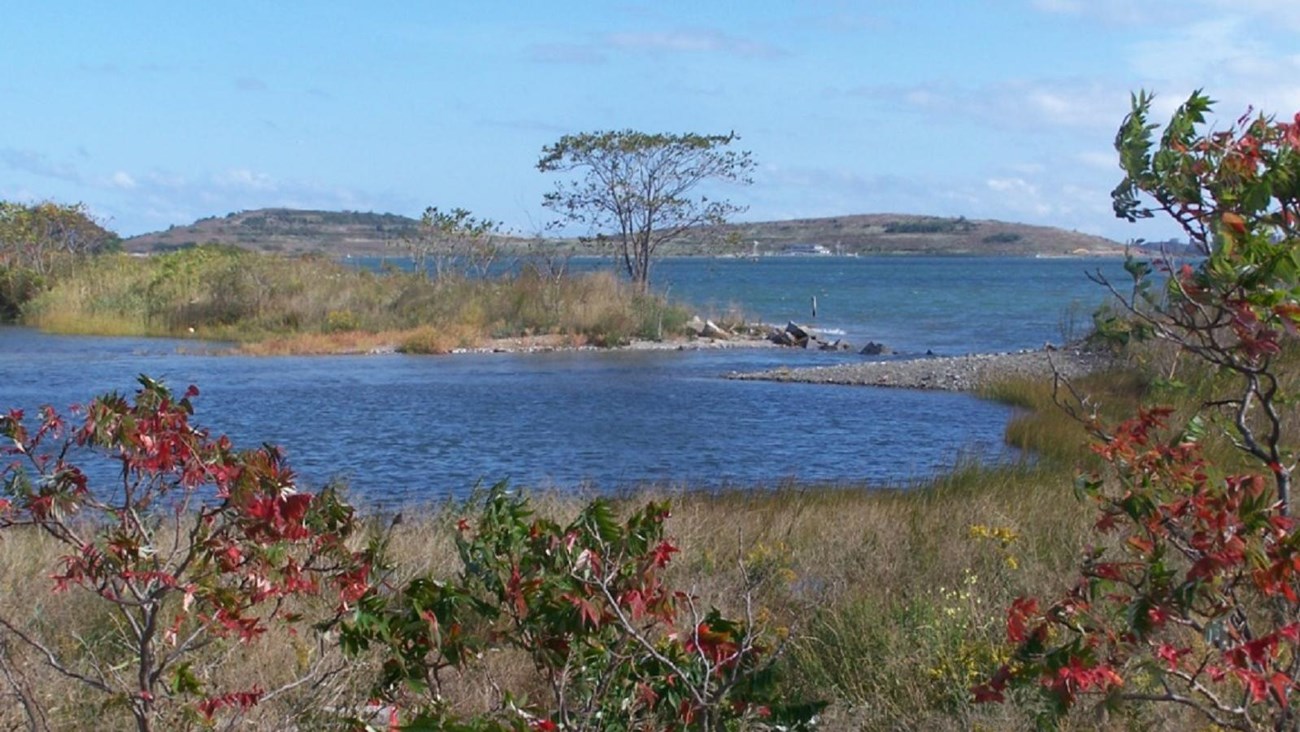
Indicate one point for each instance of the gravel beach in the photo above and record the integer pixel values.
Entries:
(948, 373)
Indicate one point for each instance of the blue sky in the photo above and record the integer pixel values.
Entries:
(159, 113)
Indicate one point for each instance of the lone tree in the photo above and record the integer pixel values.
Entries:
(453, 242)
(642, 186)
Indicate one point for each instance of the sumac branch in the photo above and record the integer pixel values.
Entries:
(192, 543)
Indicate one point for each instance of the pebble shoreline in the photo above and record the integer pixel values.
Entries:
(944, 373)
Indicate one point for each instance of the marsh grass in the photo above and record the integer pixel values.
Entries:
(888, 601)
(311, 304)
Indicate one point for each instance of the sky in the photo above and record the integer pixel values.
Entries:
(160, 113)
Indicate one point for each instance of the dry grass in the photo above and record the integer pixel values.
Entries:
(858, 582)
(887, 601)
(308, 344)
(313, 305)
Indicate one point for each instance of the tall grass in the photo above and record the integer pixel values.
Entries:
(884, 600)
(887, 601)
(231, 294)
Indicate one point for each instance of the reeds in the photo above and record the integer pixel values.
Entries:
(312, 304)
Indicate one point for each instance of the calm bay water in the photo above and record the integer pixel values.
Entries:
(950, 305)
(406, 429)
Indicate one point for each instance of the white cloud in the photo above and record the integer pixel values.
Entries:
(699, 41)
(1272, 13)
(1236, 55)
(1025, 105)
(122, 179)
(244, 179)
(1012, 185)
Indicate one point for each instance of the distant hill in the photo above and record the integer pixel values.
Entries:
(349, 232)
(286, 230)
(903, 234)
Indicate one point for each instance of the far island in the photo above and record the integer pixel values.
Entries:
(341, 233)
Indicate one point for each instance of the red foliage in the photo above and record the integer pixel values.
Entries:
(255, 539)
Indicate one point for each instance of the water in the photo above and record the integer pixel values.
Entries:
(408, 429)
(948, 305)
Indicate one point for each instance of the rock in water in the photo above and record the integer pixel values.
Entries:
(796, 331)
(713, 330)
(695, 326)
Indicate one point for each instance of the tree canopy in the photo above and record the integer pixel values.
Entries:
(34, 239)
(638, 190)
(34, 236)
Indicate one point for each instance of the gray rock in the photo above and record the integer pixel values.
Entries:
(875, 349)
(695, 326)
(781, 337)
(713, 330)
(952, 373)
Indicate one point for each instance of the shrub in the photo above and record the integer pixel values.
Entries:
(192, 544)
(614, 646)
(1192, 595)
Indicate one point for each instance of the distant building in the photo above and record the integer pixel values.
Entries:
(803, 250)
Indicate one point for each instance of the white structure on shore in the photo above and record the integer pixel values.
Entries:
(804, 250)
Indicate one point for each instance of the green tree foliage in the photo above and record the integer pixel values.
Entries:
(1236, 194)
(930, 225)
(453, 243)
(36, 236)
(1192, 595)
(35, 240)
(642, 187)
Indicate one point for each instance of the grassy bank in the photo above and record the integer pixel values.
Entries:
(888, 601)
(312, 304)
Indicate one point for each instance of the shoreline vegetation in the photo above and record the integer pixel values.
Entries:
(272, 304)
(885, 601)
(808, 562)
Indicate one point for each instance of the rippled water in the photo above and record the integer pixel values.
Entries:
(405, 429)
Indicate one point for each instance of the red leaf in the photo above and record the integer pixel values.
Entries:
(1281, 684)
(985, 693)
(664, 553)
(1021, 609)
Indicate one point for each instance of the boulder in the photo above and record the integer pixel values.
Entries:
(794, 336)
(695, 326)
(875, 349)
(837, 345)
(780, 337)
(713, 330)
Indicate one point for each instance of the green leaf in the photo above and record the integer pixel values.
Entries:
(184, 682)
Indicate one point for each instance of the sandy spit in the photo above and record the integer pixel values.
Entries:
(947, 373)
